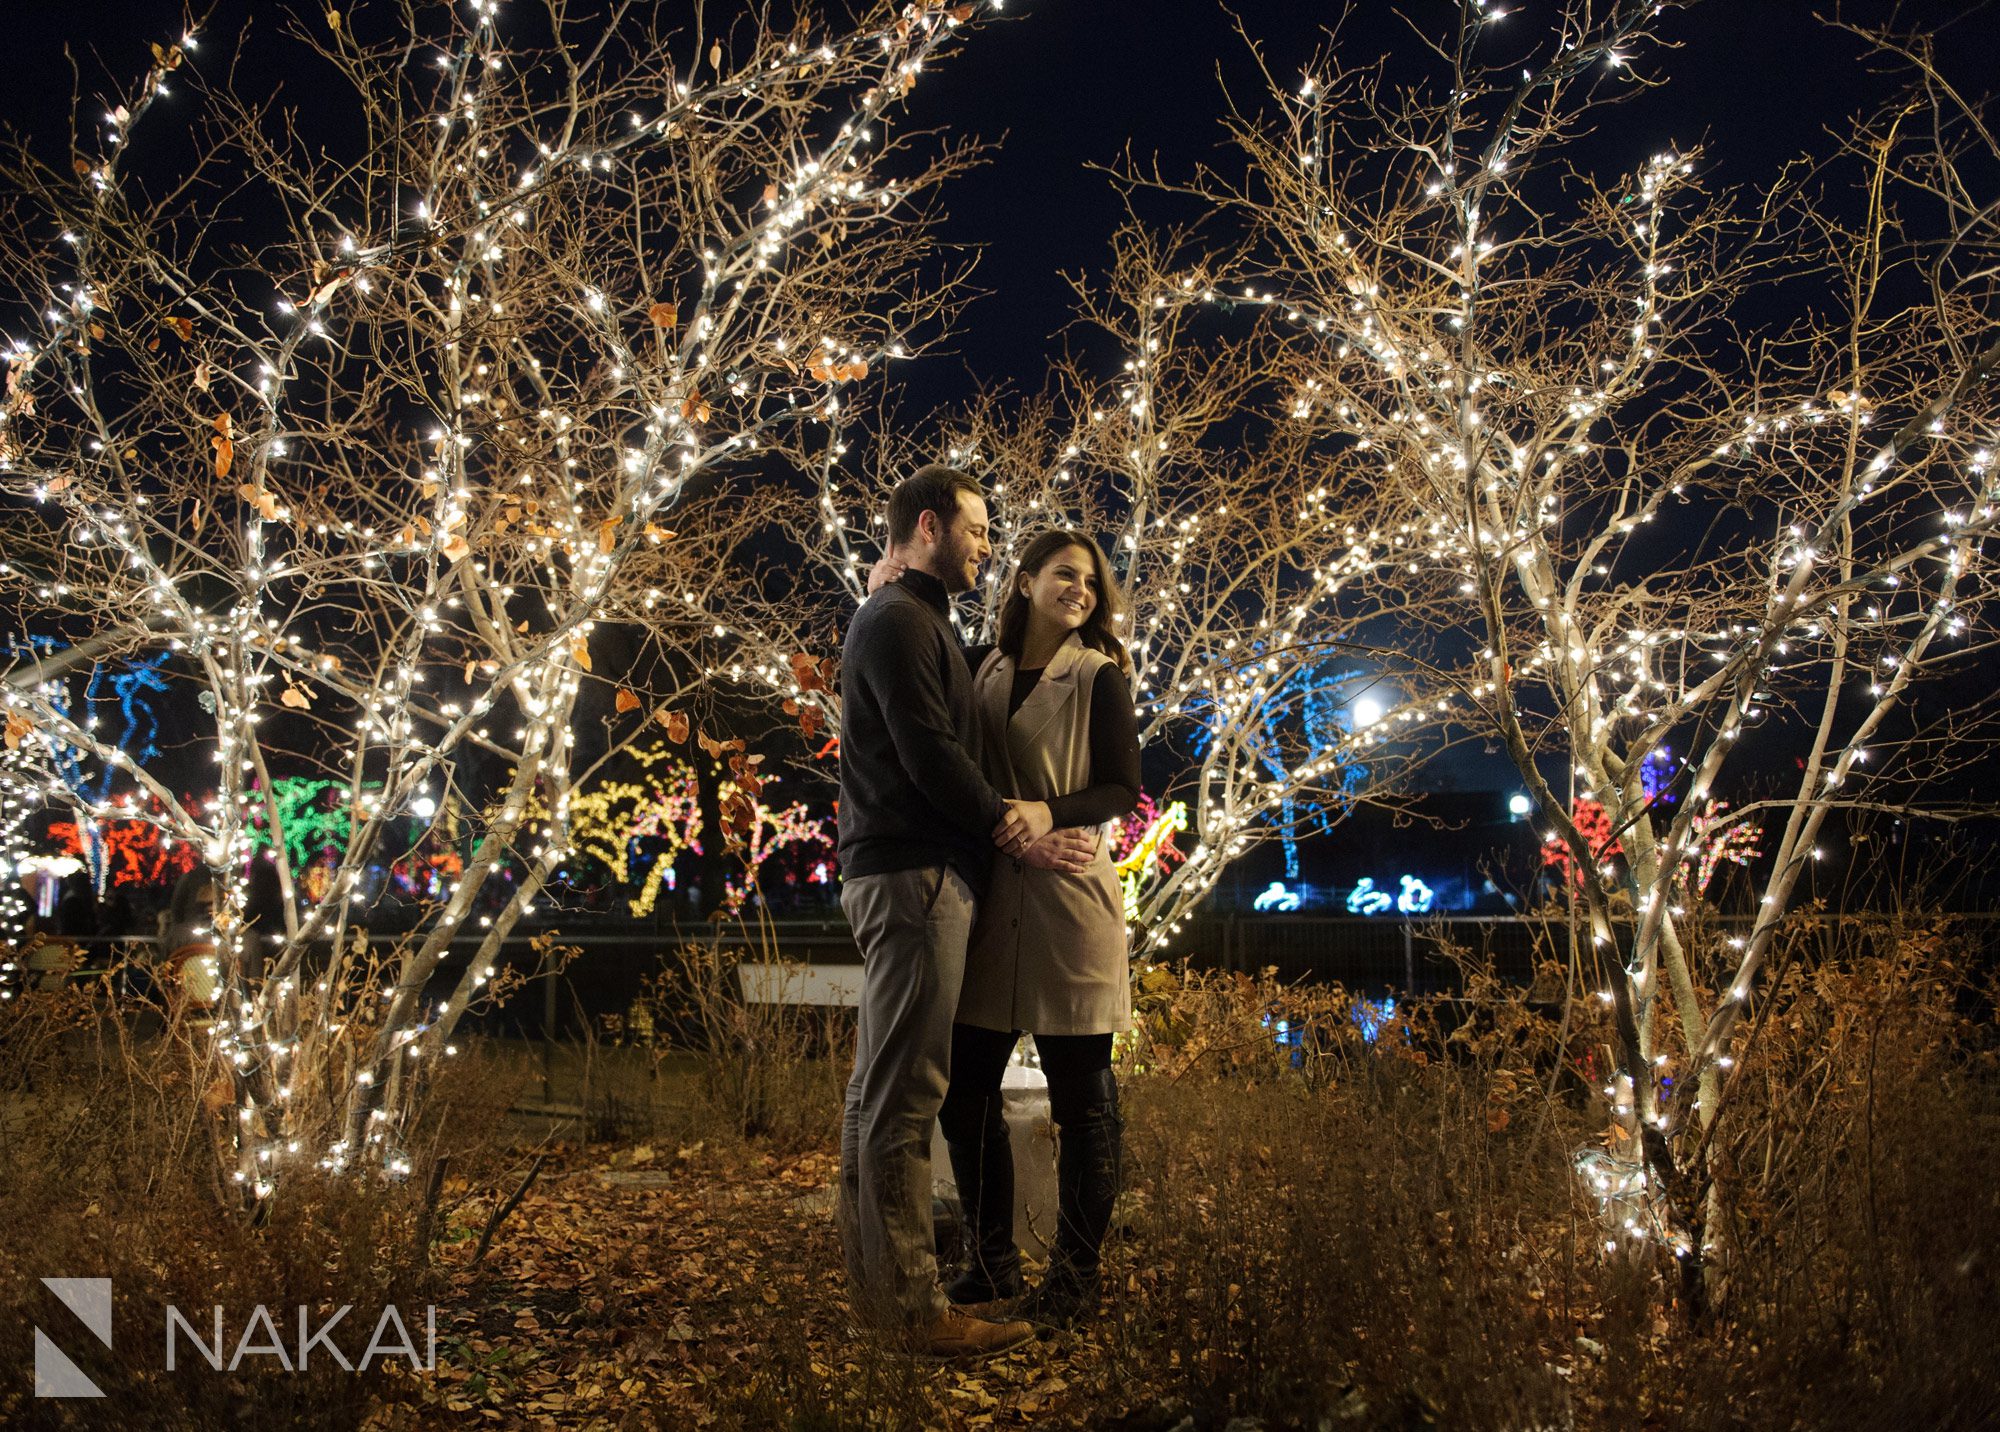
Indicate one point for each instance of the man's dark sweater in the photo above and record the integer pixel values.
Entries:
(911, 791)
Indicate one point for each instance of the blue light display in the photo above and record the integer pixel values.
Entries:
(1276, 897)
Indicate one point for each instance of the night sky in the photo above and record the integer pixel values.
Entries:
(1060, 85)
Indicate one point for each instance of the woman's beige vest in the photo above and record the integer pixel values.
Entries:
(1048, 952)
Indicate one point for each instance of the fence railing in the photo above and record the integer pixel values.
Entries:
(1375, 955)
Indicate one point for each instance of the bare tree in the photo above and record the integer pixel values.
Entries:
(1694, 460)
(373, 425)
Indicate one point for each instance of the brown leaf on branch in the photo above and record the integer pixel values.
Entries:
(664, 315)
(805, 674)
(197, 519)
(607, 538)
(626, 701)
(579, 647)
(694, 408)
(660, 534)
(676, 724)
(456, 548)
(182, 326)
(224, 444)
(259, 498)
(295, 696)
(809, 720)
(17, 730)
(201, 376)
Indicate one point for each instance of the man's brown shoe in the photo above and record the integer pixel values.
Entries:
(957, 1336)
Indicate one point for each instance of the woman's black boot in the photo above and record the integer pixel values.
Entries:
(983, 1168)
(1088, 1157)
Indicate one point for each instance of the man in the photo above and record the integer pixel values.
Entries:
(918, 821)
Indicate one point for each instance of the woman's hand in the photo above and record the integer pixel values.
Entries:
(1069, 850)
(1025, 823)
(888, 568)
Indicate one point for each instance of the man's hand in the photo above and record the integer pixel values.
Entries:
(1069, 850)
(1025, 823)
(887, 569)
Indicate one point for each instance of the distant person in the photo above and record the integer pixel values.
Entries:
(187, 940)
(76, 905)
(263, 915)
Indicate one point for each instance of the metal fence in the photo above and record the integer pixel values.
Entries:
(1426, 956)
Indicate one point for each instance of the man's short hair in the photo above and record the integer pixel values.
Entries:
(933, 488)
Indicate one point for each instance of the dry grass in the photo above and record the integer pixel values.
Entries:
(1329, 1233)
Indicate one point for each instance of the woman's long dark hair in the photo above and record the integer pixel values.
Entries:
(1096, 630)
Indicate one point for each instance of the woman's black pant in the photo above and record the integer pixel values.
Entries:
(979, 1059)
(1083, 1103)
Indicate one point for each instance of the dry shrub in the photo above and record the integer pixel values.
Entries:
(111, 1174)
(1321, 1230)
(773, 1073)
(1325, 1224)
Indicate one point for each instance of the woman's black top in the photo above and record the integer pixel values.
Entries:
(1114, 745)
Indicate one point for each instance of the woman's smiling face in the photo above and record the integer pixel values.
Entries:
(1064, 592)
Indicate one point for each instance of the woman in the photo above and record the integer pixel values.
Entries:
(1048, 952)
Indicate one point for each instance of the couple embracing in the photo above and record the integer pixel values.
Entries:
(974, 787)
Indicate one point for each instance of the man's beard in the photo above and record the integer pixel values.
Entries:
(957, 564)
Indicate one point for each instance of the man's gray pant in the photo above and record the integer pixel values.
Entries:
(912, 927)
